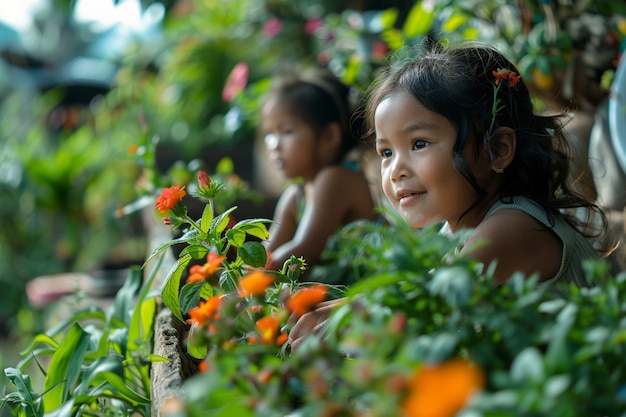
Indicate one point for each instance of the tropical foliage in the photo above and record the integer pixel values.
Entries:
(94, 362)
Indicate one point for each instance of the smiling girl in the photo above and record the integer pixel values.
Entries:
(459, 142)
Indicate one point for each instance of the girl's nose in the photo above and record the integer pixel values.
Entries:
(399, 168)
(271, 141)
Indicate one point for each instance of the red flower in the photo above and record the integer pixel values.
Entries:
(502, 75)
(203, 179)
(236, 81)
(306, 299)
(170, 198)
(199, 273)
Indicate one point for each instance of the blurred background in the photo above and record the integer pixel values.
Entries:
(104, 101)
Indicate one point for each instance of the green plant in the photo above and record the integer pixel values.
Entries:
(421, 319)
(94, 362)
(222, 262)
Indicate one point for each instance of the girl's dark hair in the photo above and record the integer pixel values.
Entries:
(319, 98)
(457, 81)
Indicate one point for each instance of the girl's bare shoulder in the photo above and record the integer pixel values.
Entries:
(518, 242)
(340, 176)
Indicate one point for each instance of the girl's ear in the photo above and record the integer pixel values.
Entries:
(503, 149)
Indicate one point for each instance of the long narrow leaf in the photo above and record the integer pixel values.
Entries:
(183, 239)
(94, 371)
(65, 367)
(122, 391)
(172, 286)
(140, 330)
(24, 394)
(125, 297)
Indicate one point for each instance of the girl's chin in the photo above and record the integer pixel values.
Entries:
(418, 220)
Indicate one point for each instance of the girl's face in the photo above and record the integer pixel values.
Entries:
(415, 146)
(290, 141)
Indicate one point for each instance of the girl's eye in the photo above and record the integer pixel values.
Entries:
(420, 144)
(384, 153)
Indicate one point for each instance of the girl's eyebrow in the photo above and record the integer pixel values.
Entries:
(414, 127)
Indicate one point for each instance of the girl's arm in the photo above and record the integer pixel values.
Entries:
(329, 199)
(285, 219)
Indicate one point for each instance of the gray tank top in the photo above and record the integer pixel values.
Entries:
(576, 248)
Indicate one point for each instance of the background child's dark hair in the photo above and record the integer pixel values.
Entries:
(319, 98)
(457, 81)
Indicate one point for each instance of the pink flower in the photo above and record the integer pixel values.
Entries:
(236, 81)
(312, 25)
(272, 27)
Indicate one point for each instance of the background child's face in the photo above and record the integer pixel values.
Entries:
(415, 146)
(290, 141)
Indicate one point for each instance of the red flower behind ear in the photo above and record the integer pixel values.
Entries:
(503, 75)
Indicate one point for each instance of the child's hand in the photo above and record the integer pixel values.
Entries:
(312, 322)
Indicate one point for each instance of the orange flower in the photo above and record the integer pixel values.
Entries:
(442, 390)
(170, 198)
(254, 283)
(269, 330)
(199, 273)
(306, 299)
(206, 312)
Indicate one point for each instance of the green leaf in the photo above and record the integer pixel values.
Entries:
(64, 368)
(190, 296)
(172, 286)
(374, 282)
(225, 167)
(120, 387)
(388, 18)
(220, 222)
(207, 218)
(206, 291)
(65, 410)
(528, 366)
(125, 297)
(196, 251)
(419, 20)
(95, 370)
(254, 227)
(140, 329)
(454, 22)
(253, 254)
(236, 237)
(192, 234)
(197, 347)
(24, 392)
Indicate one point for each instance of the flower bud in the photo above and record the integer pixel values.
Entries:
(203, 179)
